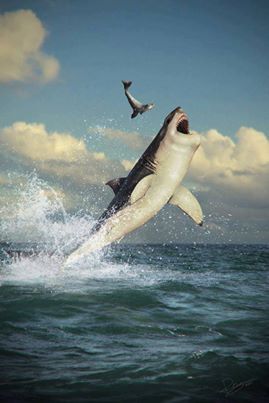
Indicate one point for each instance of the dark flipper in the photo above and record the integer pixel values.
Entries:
(126, 84)
(134, 114)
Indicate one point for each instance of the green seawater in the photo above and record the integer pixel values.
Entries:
(142, 323)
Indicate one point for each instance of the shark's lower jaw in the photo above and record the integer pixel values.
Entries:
(183, 125)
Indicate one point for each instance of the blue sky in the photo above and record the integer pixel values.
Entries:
(210, 57)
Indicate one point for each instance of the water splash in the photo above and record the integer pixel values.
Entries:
(37, 215)
(37, 224)
(42, 233)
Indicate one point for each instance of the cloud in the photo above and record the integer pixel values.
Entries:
(127, 164)
(3, 180)
(99, 156)
(132, 139)
(238, 168)
(56, 154)
(21, 59)
(229, 177)
(32, 141)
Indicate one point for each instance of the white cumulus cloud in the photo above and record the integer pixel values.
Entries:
(240, 168)
(127, 164)
(54, 153)
(21, 58)
(32, 141)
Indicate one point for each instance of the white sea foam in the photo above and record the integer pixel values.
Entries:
(38, 216)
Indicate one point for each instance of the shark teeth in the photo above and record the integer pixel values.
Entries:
(183, 124)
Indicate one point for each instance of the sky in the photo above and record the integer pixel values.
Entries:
(64, 114)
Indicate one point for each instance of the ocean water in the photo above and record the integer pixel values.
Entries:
(142, 323)
(134, 323)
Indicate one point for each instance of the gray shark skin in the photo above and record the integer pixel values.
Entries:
(154, 181)
(137, 106)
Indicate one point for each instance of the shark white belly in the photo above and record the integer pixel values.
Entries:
(164, 164)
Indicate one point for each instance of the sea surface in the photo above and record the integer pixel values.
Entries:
(137, 323)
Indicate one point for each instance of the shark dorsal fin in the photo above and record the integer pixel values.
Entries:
(188, 203)
(115, 184)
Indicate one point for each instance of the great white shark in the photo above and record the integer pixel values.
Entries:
(137, 106)
(154, 181)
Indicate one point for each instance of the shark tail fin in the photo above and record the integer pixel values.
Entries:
(134, 114)
(126, 84)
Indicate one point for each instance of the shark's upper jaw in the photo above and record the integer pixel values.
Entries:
(179, 121)
(183, 124)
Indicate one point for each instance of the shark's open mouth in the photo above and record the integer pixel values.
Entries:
(183, 124)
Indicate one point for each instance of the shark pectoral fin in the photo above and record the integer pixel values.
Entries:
(188, 203)
(115, 184)
(141, 188)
